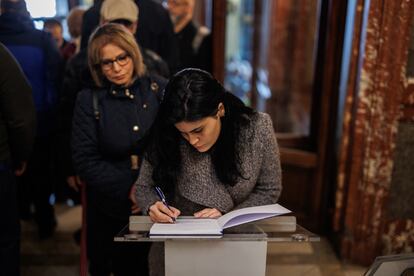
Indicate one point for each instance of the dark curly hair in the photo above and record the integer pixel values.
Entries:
(191, 95)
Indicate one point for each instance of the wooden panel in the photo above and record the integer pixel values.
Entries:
(298, 169)
(297, 193)
(354, 69)
(290, 62)
(298, 158)
(219, 34)
(324, 107)
(306, 159)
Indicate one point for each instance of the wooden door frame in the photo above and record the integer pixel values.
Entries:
(219, 38)
(324, 121)
(320, 157)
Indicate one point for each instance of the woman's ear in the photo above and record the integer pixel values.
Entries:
(221, 110)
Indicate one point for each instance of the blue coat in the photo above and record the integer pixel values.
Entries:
(102, 148)
(40, 60)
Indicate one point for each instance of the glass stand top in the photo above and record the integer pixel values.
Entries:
(276, 229)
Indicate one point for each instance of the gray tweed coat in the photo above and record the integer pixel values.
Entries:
(198, 186)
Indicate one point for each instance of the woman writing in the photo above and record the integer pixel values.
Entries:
(110, 124)
(209, 153)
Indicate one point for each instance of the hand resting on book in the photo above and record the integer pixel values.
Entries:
(208, 213)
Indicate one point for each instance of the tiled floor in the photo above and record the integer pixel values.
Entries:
(60, 255)
(313, 259)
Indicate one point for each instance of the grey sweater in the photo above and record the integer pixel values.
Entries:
(198, 186)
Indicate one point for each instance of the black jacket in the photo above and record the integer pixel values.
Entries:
(90, 21)
(155, 31)
(17, 112)
(102, 148)
(200, 57)
(77, 77)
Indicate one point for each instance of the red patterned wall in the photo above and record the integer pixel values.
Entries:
(372, 113)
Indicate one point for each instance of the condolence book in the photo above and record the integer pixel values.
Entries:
(214, 227)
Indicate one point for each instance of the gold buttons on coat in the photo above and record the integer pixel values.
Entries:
(131, 96)
(135, 128)
(127, 92)
(154, 86)
(113, 92)
(144, 106)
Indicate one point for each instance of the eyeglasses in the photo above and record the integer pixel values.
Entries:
(121, 60)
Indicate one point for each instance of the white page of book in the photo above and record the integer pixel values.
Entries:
(250, 214)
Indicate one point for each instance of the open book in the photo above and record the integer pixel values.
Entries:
(214, 227)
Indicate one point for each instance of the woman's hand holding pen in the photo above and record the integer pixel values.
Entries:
(208, 213)
(158, 212)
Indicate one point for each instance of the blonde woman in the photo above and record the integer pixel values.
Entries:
(110, 124)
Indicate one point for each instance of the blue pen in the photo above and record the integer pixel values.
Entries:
(163, 200)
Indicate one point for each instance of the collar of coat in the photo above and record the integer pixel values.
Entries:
(142, 85)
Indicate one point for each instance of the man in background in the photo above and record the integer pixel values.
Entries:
(55, 28)
(74, 21)
(39, 57)
(17, 132)
(194, 41)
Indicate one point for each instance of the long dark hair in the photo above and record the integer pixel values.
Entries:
(191, 95)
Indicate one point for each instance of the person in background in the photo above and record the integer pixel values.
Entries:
(66, 187)
(155, 30)
(209, 153)
(17, 132)
(90, 21)
(126, 12)
(77, 77)
(74, 21)
(54, 27)
(110, 126)
(195, 48)
(39, 57)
